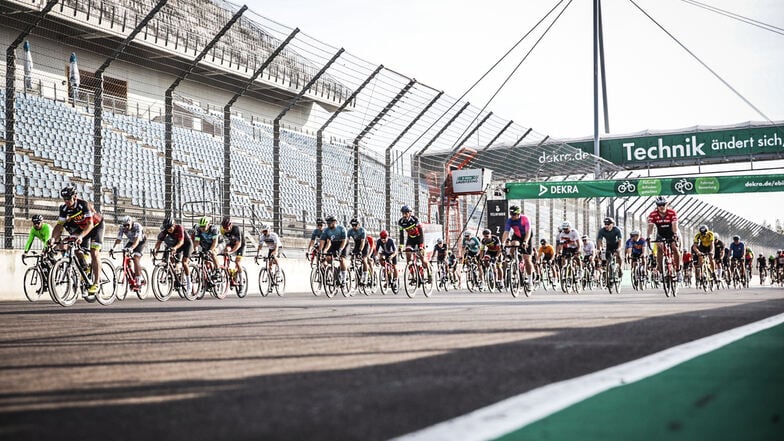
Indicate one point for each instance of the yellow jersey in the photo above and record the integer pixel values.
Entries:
(547, 250)
(705, 240)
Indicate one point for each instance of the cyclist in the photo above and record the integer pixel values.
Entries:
(748, 258)
(762, 264)
(179, 242)
(687, 264)
(315, 237)
(273, 243)
(85, 225)
(569, 244)
(666, 222)
(206, 238)
(738, 251)
(360, 248)
(612, 242)
(589, 252)
(719, 256)
(704, 245)
(333, 244)
(40, 230)
(386, 249)
(470, 248)
(520, 237)
(136, 242)
(235, 242)
(635, 249)
(779, 261)
(411, 234)
(491, 247)
(440, 251)
(545, 253)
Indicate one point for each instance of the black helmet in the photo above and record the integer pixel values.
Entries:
(226, 223)
(167, 223)
(661, 200)
(514, 209)
(405, 209)
(319, 222)
(486, 231)
(703, 229)
(331, 219)
(543, 241)
(735, 237)
(609, 220)
(67, 192)
(37, 219)
(354, 222)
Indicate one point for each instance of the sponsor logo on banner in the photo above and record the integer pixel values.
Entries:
(496, 216)
(626, 187)
(683, 186)
(468, 180)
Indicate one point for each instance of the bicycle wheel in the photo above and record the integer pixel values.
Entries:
(122, 283)
(265, 284)
(454, 279)
(566, 279)
(107, 287)
(34, 284)
(316, 281)
(411, 280)
(219, 283)
(490, 280)
(617, 284)
(141, 291)
(64, 283)
(471, 282)
(513, 279)
(162, 283)
(280, 282)
(372, 288)
(428, 282)
(330, 282)
(383, 281)
(197, 283)
(241, 283)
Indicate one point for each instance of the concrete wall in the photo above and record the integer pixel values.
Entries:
(297, 271)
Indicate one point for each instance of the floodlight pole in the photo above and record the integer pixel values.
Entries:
(388, 159)
(320, 141)
(365, 131)
(227, 122)
(418, 156)
(98, 104)
(10, 122)
(277, 214)
(168, 182)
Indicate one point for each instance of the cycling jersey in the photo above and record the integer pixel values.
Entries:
(386, 247)
(316, 235)
(471, 244)
(518, 227)
(233, 235)
(611, 236)
(762, 262)
(588, 248)
(409, 229)
(491, 244)
(687, 257)
(704, 240)
(173, 238)
(738, 250)
(79, 216)
(547, 250)
(132, 232)
(337, 234)
(749, 254)
(207, 236)
(570, 240)
(637, 246)
(271, 240)
(358, 235)
(43, 234)
(440, 251)
(663, 222)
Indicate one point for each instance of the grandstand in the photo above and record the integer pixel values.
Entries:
(381, 129)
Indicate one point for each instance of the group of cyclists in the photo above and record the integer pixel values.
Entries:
(85, 226)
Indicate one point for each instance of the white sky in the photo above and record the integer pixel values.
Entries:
(651, 82)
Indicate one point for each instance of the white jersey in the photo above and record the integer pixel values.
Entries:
(588, 248)
(271, 239)
(571, 239)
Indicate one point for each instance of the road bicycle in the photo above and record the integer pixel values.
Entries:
(639, 274)
(472, 275)
(388, 278)
(70, 277)
(416, 276)
(362, 280)
(669, 278)
(548, 277)
(329, 267)
(569, 276)
(168, 276)
(491, 277)
(738, 279)
(238, 280)
(126, 278)
(212, 278)
(271, 276)
(36, 278)
(706, 277)
(763, 274)
(611, 275)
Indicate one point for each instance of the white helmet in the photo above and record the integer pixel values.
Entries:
(635, 232)
(566, 225)
(125, 220)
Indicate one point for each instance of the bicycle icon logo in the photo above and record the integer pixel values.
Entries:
(626, 187)
(683, 186)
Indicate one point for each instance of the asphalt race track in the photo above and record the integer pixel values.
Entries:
(311, 368)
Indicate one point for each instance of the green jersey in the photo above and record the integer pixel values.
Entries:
(44, 234)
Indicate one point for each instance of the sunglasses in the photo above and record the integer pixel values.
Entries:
(608, 223)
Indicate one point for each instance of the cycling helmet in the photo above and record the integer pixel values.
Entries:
(635, 232)
(203, 221)
(467, 234)
(735, 237)
(703, 229)
(67, 192)
(543, 242)
(440, 241)
(514, 209)
(167, 223)
(264, 228)
(405, 209)
(37, 219)
(584, 237)
(319, 222)
(566, 225)
(661, 200)
(226, 223)
(331, 219)
(125, 220)
(383, 234)
(354, 222)
(760, 254)
(486, 232)
(609, 220)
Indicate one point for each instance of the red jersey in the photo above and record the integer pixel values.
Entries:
(664, 221)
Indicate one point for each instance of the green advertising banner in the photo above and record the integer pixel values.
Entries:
(645, 187)
(690, 146)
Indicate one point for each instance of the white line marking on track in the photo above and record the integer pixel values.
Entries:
(517, 412)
